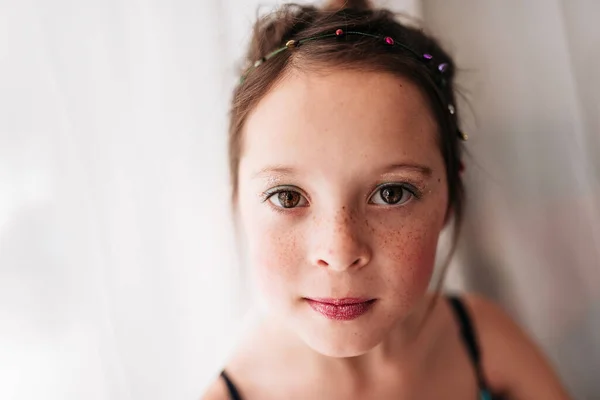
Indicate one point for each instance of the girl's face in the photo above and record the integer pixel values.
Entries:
(342, 194)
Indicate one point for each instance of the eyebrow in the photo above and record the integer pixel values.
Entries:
(274, 170)
(422, 169)
(282, 170)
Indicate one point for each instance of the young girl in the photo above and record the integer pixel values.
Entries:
(345, 151)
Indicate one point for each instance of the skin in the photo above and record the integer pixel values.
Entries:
(329, 140)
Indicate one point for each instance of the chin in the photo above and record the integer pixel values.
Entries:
(337, 349)
(342, 339)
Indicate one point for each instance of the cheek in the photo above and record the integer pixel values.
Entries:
(409, 251)
(275, 254)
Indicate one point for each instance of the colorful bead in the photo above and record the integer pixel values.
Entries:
(439, 79)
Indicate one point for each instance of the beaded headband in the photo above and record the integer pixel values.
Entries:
(388, 40)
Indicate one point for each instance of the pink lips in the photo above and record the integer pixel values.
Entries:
(341, 309)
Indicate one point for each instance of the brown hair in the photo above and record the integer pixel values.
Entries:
(297, 22)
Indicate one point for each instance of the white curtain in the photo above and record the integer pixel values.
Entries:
(116, 254)
(529, 70)
(119, 277)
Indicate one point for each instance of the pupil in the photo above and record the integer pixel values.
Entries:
(289, 199)
(391, 195)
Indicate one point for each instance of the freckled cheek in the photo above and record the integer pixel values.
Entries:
(417, 253)
(416, 248)
(409, 252)
(276, 257)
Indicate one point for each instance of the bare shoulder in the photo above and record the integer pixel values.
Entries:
(512, 362)
(216, 391)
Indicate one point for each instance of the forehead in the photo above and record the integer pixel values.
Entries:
(351, 116)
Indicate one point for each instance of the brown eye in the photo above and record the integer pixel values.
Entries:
(391, 195)
(287, 199)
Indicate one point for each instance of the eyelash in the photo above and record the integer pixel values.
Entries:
(265, 196)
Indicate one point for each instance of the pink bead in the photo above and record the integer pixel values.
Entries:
(339, 32)
(389, 40)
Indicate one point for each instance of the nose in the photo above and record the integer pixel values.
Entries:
(340, 244)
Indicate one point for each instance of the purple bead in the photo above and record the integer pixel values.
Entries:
(442, 67)
(427, 56)
(389, 40)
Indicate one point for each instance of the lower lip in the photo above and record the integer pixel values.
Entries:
(343, 311)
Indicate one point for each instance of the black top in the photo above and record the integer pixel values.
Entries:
(233, 393)
(469, 338)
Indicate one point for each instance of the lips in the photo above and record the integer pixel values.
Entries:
(345, 309)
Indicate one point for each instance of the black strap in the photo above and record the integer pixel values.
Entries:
(469, 337)
(233, 392)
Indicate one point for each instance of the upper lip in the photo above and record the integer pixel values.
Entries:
(340, 301)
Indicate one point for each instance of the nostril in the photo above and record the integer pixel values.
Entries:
(322, 263)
